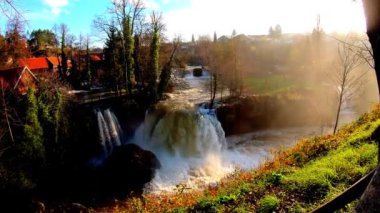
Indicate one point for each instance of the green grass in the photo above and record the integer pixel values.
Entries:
(273, 84)
(268, 204)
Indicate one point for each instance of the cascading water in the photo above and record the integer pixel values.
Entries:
(190, 144)
(110, 132)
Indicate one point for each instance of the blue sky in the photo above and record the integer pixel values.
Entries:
(203, 17)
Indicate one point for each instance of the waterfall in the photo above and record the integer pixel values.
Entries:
(188, 141)
(182, 131)
(110, 133)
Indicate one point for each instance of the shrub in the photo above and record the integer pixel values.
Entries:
(268, 204)
(206, 205)
(197, 72)
(275, 178)
(227, 199)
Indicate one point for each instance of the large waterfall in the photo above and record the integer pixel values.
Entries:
(190, 144)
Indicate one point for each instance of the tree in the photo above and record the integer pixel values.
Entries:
(128, 43)
(112, 54)
(8, 8)
(15, 42)
(215, 37)
(41, 41)
(166, 71)
(347, 81)
(276, 32)
(156, 27)
(136, 60)
(32, 148)
(88, 63)
(127, 14)
(63, 62)
(192, 39)
(233, 33)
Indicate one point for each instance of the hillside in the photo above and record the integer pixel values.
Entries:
(299, 179)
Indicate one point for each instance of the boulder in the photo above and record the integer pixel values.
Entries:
(128, 169)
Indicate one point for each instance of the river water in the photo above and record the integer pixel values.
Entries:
(191, 145)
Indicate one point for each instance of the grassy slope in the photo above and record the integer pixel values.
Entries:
(273, 84)
(296, 180)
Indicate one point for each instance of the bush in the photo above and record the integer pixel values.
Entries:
(268, 204)
(227, 199)
(206, 205)
(197, 72)
(275, 178)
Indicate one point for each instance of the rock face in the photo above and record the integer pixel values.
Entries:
(250, 113)
(128, 169)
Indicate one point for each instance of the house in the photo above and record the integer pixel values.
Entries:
(18, 79)
(37, 65)
(54, 63)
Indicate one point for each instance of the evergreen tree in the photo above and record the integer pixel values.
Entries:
(63, 67)
(192, 39)
(112, 54)
(88, 65)
(32, 148)
(215, 37)
(234, 33)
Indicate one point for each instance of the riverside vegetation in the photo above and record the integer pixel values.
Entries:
(298, 179)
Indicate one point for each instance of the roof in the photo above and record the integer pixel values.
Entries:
(34, 63)
(54, 60)
(95, 58)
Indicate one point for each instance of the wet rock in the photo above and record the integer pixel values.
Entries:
(128, 169)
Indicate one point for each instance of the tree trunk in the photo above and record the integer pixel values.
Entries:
(370, 200)
(338, 111)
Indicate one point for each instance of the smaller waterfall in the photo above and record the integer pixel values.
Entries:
(110, 133)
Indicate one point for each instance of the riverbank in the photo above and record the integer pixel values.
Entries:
(298, 179)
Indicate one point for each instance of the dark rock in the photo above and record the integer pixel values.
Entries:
(128, 169)
(246, 114)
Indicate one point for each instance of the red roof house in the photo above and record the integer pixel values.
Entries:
(19, 79)
(35, 64)
(54, 63)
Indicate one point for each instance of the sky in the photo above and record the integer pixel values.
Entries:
(203, 17)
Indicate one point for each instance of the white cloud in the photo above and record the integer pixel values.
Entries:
(151, 5)
(256, 16)
(56, 5)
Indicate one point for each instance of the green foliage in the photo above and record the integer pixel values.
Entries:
(268, 204)
(113, 60)
(40, 40)
(154, 64)
(275, 178)
(31, 147)
(128, 39)
(197, 72)
(206, 205)
(227, 199)
(345, 165)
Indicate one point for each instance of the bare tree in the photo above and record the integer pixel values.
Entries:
(8, 8)
(345, 76)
